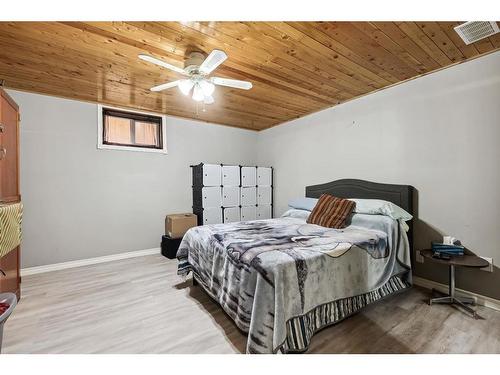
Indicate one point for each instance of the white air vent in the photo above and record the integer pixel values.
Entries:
(473, 31)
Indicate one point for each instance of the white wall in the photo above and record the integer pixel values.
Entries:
(439, 133)
(81, 202)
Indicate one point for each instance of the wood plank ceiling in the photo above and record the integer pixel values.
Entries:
(296, 67)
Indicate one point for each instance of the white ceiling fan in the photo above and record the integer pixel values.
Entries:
(198, 68)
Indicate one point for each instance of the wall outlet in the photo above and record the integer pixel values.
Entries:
(419, 258)
(490, 267)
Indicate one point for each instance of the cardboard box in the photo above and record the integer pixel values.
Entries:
(176, 225)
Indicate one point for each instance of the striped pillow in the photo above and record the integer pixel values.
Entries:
(331, 212)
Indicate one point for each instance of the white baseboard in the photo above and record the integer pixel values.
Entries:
(86, 262)
(480, 299)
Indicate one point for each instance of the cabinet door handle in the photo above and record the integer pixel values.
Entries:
(3, 153)
(2, 128)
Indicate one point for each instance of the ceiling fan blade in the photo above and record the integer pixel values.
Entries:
(164, 86)
(212, 61)
(235, 83)
(162, 63)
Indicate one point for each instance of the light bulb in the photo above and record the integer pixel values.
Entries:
(208, 99)
(198, 93)
(185, 85)
(207, 87)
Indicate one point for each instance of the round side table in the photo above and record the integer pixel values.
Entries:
(471, 261)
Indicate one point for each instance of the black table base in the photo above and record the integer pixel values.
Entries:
(453, 299)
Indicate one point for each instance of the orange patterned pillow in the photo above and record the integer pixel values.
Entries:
(331, 212)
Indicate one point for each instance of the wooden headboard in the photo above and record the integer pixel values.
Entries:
(402, 195)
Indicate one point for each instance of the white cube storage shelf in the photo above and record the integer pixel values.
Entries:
(212, 215)
(230, 175)
(264, 195)
(231, 214)
(264, 176)
(230, 196)
(263, 212)
(249, 213)
(248, 176)
(211, 196)
(231, 193)
(248, 196)
(212, 175)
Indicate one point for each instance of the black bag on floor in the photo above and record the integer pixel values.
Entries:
(169, 246)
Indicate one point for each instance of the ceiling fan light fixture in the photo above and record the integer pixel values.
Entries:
(198, 69)
(207, 87)
(185, 85)
(209, 99)
(198, 93)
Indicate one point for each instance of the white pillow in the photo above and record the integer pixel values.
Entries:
(298, 214)
(303, 203)
(380, 207)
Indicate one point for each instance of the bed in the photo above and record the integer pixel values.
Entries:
(282, 280)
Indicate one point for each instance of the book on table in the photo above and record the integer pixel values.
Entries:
(447, 249)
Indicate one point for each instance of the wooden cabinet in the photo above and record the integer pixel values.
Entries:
(9, 149)
(9, 184)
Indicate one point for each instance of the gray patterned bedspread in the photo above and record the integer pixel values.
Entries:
(281, 280)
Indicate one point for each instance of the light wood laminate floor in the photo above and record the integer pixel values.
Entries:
(140, 305)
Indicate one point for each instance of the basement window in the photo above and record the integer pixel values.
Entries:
(130, 130)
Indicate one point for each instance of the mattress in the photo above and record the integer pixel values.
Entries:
(281, 280)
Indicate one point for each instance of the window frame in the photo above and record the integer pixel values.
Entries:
(115, 146)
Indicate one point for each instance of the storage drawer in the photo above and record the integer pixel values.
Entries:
(248, 196)
(248, 176)
(264, 176)
(211, 196)
(248, 213)
(230, 175)
(264, 195)
(230, 196)
(211, 175)
(212, 215)
(264, 212)
(231, 214)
